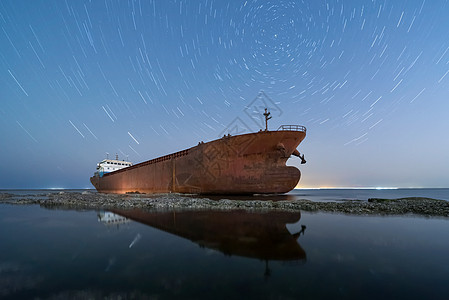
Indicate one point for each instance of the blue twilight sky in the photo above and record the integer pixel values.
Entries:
(369, 79)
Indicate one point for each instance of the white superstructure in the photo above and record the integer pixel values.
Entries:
(111, 165)
(109, 218)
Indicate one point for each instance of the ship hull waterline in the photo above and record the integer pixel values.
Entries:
(251, 163)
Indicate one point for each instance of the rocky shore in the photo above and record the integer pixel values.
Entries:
(88, 200)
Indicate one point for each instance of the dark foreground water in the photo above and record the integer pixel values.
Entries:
(60, 254)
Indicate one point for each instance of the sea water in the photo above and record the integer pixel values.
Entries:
(51, 253)
(365, 194)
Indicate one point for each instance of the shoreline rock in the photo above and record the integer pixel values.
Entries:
(416, 206)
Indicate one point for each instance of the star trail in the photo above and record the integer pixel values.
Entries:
(145, 78)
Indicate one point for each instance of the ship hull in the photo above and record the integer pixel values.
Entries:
(243, 164)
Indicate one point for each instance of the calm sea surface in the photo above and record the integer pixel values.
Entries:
(62, 254)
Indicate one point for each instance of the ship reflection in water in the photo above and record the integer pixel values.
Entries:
(53, 253)
(261, 235)
(108, 218)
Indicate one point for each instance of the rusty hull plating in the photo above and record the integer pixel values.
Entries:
(251, 163)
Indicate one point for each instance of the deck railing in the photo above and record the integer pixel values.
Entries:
(292, 128)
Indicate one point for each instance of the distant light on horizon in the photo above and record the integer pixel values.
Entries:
(350, 188)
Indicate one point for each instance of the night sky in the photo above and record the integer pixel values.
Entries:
(369, 79)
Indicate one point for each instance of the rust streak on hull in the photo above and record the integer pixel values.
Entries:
(243, 164)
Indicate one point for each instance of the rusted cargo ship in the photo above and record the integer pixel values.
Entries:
(253, 163)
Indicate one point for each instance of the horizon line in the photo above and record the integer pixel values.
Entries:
(364, 188)
(296, 188)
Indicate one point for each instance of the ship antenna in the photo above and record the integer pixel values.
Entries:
(107, 155)
(267, 117)
(116, 156)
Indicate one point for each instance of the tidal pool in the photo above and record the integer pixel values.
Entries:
(219, 254)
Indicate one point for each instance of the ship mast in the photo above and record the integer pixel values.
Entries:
(267, 117)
